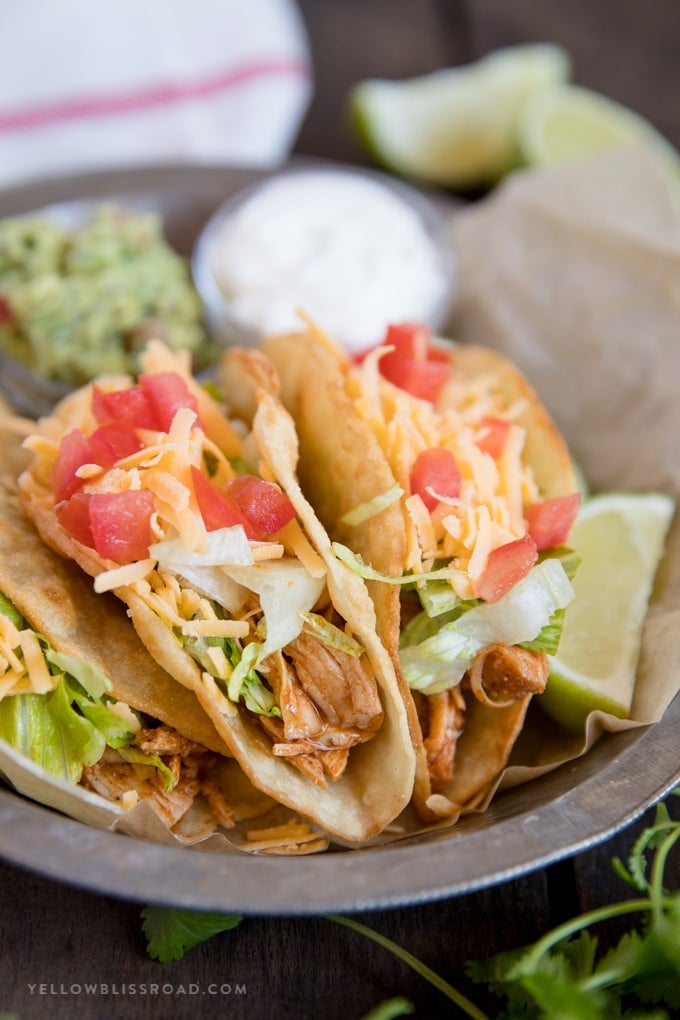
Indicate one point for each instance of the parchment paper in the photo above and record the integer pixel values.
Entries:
(574, 274)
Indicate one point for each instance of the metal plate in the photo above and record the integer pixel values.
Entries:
(561, 813)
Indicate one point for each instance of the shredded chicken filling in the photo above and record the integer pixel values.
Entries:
(443, 718)
(327, 699)
(190, 765)
(500, 674)
(329, 702)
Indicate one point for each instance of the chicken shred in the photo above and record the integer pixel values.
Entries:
(328, 701)
(445, 719)
(189, 763)
(501, 674)
(341, 685)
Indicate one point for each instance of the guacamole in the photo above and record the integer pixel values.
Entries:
(77, 304)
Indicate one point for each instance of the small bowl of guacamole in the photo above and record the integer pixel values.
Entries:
(80, 301)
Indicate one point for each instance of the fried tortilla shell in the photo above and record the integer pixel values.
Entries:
(58, 601)
(342, 465)
(377, 782)
(56, 598)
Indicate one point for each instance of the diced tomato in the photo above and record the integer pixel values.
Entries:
(74, 451)
(409, 339)
(121, 524)
(263, 503)
(131, 406)
(414, 365)
(550, 522)
(74, 515)
(167, 392)
(505, 566)
(492, 435)
(435, 471)
(111, 442)
(218, 508)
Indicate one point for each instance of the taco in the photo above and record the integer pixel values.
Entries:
(83, 706)
(447, 486)
(199, 525)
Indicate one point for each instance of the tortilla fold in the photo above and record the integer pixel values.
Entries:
(343, 465)
(378, 779)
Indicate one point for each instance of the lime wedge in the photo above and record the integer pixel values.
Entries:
(566, 122)
(456, 127)
(620, 539)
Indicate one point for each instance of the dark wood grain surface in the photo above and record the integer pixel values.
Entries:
(69, 953)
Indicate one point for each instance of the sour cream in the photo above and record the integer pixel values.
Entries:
(343, 247)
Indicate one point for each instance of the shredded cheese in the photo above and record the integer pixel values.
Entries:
(89, 471)
(128, 800)
(42, 446)
(423, 524)
(221, 667)
(120, 577)
(42, 680)
(215, 628)
(267, 551)
(488, 512)
(288, 838)
(297, 544)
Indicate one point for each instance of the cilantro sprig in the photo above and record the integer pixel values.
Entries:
(562, 974)
(170, 932)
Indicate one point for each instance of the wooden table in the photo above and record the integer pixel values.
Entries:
(56, 940)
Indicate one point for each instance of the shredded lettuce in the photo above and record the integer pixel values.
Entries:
(9, 610)
(88, 676)
(357, 565)
(319, 627)
(437, 598)
(365, 511)
(224, 545)
(549, 638)
(520, 614)
(440, 661)
(422, 627)
(286, 589)
(247, 660)
(69, 727)
(246, 683)
(435, 655)
(240, 679)
(117, 731)
(134, 756)
(216, 585)
(257, 697)
(50, 731)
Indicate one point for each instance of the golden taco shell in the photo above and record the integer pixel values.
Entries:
(58, 601)
(343, 464)
(377, 781)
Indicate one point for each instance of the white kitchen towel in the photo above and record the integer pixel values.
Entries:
(88, 86)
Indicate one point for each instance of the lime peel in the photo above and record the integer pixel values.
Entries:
(455, 127)
(565, 122)
(620, 539)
